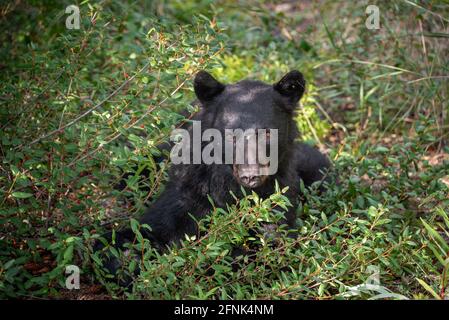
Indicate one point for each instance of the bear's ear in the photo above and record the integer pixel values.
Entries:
(206, 87)
(291, 87)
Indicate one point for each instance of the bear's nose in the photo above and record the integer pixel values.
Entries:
(250, 180)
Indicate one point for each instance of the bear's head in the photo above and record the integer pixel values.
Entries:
(251, 116)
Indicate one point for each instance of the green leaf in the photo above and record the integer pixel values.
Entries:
(68, 254)
(429, 289)
(436, 236)
(8, 264)
(21, 195)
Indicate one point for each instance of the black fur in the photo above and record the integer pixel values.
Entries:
(246, 104)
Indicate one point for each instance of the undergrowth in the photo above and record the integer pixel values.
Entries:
(79, 108)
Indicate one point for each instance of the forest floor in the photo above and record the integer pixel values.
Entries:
(81, 107)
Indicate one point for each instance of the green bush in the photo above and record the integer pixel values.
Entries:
(79, 108)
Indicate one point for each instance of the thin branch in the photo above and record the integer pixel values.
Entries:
(71, 123)
(133, 124)
(34, 99)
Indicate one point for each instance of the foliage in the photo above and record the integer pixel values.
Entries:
(79, 108)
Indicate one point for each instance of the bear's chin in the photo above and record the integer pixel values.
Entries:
(259, 182)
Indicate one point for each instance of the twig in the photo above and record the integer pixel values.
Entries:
(115, 137)
(91, 109)
(34, 99)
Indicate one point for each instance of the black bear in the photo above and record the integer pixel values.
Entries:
(247, 105)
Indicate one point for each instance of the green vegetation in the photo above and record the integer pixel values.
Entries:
(80, 107)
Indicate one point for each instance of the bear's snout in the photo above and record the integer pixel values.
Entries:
(250, 175)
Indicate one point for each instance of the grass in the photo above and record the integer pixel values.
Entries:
(81, 107)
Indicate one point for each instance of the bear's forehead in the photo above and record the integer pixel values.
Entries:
(249, 105)
(263, 119)
(247, 92)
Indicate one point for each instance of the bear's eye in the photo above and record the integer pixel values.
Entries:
(267, 133)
